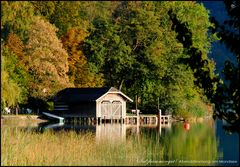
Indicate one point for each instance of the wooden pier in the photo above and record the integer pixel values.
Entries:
(134, 119)
(81, 120)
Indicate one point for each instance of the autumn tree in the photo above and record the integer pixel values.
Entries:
(48, 64)
(79, 72)
(15, 44)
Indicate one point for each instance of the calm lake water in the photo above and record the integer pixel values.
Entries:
(205, 143)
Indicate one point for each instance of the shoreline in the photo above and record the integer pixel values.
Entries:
(19, 116)
(35, 118)
(22, 120)
(192, 119)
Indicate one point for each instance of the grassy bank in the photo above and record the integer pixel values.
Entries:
(27, 147)
(22, 117)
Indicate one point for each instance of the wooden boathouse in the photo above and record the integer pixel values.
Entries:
(91, 103)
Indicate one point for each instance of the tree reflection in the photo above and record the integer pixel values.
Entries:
(196, 146)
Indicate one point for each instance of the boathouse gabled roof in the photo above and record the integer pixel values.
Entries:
(71, 95)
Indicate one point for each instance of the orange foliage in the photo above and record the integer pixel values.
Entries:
(15, 44)
(79, 72)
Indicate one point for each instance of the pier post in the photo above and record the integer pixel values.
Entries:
(160, 128)
(99, 120)
(138, 116)
(160, 115)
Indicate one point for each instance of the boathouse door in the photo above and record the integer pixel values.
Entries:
(111, 110)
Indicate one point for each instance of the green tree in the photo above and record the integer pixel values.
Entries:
(67, 15)
(18, 62)
(44, 8)
(137, 51)
(16, 17)
(203, 68)
(13, 79)
(47, 60)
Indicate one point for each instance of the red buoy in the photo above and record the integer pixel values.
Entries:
(186, 126)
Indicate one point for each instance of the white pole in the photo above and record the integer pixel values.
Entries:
(136, 101)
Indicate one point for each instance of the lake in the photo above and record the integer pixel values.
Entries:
(175, 144)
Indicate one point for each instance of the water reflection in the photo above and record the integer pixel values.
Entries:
(109, 131)
(78, 128)
(229, 142)
(197, 145)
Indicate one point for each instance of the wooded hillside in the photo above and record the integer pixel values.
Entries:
(147, 49)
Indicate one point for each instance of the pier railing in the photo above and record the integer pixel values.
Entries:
(146, 119)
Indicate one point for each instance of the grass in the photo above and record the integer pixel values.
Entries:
(23, 148)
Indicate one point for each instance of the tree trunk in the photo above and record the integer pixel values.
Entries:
(121, 84)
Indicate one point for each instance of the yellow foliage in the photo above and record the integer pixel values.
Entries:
(47, 60)
(10, 91)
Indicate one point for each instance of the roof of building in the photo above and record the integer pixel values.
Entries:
(85, 94)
